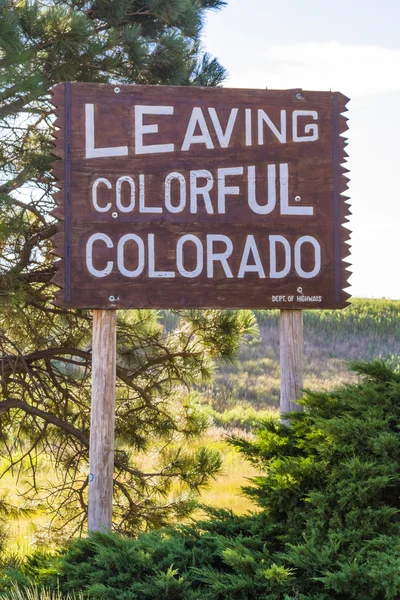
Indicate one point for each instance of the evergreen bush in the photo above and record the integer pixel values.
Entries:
(329, 528)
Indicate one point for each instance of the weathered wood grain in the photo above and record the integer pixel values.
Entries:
(291, 359)
(102, 420)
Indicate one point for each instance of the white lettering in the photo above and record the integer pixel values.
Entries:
(273, 272)
(141, 129)
(317, 257)
(197, 118)
(251, 246)
(264, 118)
(247, 113)
(309, 128)
(218, 256)
(94, 194)
(182, 188)
(91, 151)
(199, 256)
(204, 190)
(267, 208)
(142, 198)
(223, 138)
(131, 205)
(120, 255)
(284, 193)
(152, 271)
(224, 190)
(89, 255)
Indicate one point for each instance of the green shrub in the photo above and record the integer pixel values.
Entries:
(329, 528)
(333, 483)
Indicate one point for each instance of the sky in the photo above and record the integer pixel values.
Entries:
(350, 46)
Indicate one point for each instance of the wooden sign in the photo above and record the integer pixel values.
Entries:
(176, 197)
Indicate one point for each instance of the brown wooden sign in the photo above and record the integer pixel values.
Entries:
(175, 197)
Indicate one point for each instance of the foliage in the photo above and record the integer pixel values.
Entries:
(328, 530)
(333, 485)
(182, 563)
(254, 377)
(46, 351)
(48, 387)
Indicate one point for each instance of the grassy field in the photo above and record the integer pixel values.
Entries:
(242, 391)
(367, 329)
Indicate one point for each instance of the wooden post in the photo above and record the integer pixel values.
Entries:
(291, 356)
(101, 453)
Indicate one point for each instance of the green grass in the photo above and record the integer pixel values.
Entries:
(224, 490)
(366, 329)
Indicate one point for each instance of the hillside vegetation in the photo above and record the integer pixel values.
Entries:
(364, 330)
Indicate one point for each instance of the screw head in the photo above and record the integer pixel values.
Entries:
(117, 90)
(297, 198)
(300, 290)
(113, 299)
(299, 96)
(114, 215)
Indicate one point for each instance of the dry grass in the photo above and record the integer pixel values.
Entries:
(29, 525)
(33, 593)
(367, 329)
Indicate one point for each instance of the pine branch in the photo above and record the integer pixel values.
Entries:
(50, 418)
(42, 385)
(30, 243)
(16, 106)
(30, 207)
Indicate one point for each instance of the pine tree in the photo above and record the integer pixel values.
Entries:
(46, 352)
(42, 43)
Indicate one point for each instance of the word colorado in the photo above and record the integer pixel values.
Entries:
(194, 256)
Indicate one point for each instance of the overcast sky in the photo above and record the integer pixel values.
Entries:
(347, 46)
